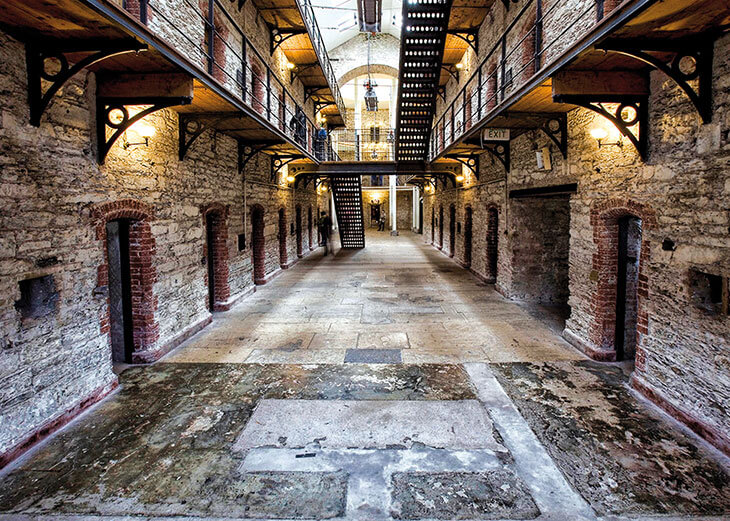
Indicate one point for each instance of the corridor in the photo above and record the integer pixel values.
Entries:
(383, 383)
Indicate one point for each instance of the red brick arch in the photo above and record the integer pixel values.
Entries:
(605, 216)
(218, 214)
(492, 241)
(142, 271)
(258, 243)
(283, 257)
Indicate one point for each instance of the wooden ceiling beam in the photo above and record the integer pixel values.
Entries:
(157, 85)
(600, 83)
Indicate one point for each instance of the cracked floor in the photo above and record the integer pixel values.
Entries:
(386, 383)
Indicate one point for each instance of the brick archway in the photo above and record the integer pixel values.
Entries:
(433, 225)
(604, 218)
(452, 230)
(258, 244)
(215, 251)
(310, 228)
(441, 227)
(142, 273)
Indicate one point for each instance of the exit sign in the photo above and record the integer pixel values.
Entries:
(495, 134)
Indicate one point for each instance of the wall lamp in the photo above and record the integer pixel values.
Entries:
(599, 134)
(290, 65)
(291, 178)
(143, 130)
(460, 178)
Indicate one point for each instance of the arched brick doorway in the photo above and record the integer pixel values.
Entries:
(283, 258)
(467, 236)
(258, 242)
(619, 300)
(441, 227)
(452, 230)
(128, 275)
(298, 227)
(492, 242)
(310, 228)
(215, 218)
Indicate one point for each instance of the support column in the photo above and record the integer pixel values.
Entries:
(393, 210)
(414, 213)
(333, 213)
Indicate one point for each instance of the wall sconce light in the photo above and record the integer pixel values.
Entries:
(375, 202)
(599, 134)
(143, 130)
(290, 65)
(429, 189)
(459, 65)
(290, 178)
(460, 178)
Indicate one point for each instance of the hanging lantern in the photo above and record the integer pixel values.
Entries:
(371, 100)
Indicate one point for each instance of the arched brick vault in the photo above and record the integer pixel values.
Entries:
(604, 219)
(219, 214)
(363, 69)
(142, 249)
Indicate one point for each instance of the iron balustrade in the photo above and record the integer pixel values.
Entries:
(368, 144)
(532, 39)
(214, 40)
(315, 36)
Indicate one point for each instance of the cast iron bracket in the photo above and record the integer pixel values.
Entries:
(556, 128)
(470, 161)
(441, 92)
(294, 73)
(279, 36)
(697, 51)
(453, 71)
(36, 57)
(507, 2)
(279, 161)
(471, 37)
(501, 151)
(309, 92)
(192, 126)
(105, 106)
(622, 118)
(247, 150)
(319, 105)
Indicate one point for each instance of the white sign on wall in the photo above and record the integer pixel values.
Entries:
(495, 134)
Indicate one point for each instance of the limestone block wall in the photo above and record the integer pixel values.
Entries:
(681, 193)
(54, 199)
(350, 59)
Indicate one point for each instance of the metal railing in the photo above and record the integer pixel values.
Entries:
(367, 144)
(315, 36)
(214, 41)
(533, 38)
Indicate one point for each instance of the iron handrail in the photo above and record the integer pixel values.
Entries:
(315, 36)
(254, 83)
(366, 144)
(506, 69)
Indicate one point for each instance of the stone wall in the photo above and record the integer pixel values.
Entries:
(55, 199)
(404, 207)
(681, 193)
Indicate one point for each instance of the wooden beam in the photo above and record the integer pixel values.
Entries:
(600, 83)
(158, 85)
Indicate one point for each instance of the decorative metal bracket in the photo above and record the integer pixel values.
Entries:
(105, 106)
(192, 126)
(501, 151)
(471, 37)
(441, 92)
(632, 112)
(247, 150)
(697, 53)
(36, 58)
(294, 73)
(279, 36)
(279, 161)
(319, 105)
(309, 92)
(453, 71)
(470, 161)
(556, 128)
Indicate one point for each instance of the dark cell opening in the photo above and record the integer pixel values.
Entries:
(38, 297)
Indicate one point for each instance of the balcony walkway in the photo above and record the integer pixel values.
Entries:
(384, 383)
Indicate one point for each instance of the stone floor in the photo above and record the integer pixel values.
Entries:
(381, 384)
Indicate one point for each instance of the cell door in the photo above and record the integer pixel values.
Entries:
(120, 290)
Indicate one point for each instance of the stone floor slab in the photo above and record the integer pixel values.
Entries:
(373, 356)
(461, 424)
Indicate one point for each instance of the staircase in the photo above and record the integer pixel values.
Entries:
(347, 193)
